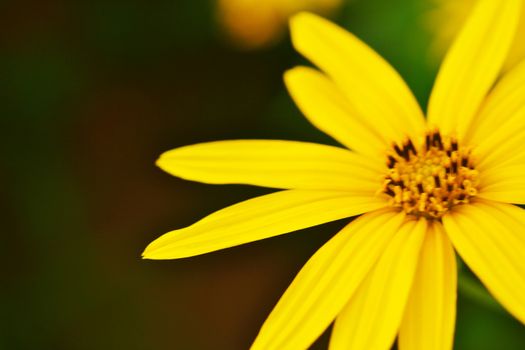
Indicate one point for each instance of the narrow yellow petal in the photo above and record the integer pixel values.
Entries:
(503, 102)
(498, 131)
(504, 183)
(327, 281)
(505, 145)
(273, 163)
(472, 64)
(371, 318)
(259, 218)
(376, 92)
(517, 50)
(329, 110)
(430, 313)
(490, 237)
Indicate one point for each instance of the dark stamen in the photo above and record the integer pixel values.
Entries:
(436, 140)
(410, 147)
(406, 155)
(391, 161)
(398, 183)
(437, 180)
(402, 152)
(398, 150)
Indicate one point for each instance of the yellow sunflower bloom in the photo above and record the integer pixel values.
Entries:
(426, 188)
(253, 24)
(446, 18)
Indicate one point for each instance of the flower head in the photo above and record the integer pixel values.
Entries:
(430, 180)
(425, 188)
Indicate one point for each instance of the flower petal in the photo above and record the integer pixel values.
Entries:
(506, 147)
(372, 317)
(503, 184)
(497, 131)
(490, 237)
(472, 64)
(430, 313)
(273, 163)
(259, 218)
(378, 95)
(328, 109)
(327, 281)
(507, 97)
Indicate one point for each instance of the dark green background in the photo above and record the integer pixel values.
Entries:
(90, 94)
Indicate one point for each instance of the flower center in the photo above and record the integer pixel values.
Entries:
(429, 181)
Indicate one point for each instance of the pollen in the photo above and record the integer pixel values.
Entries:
(429, 180)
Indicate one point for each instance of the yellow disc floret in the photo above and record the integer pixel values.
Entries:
(429, 180)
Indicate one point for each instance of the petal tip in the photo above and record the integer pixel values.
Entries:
(152, 254)
(147, 253)
(151, 251)
(158, 162)
(291, 74)
(300, 25)
(167, 163)
(300, 18)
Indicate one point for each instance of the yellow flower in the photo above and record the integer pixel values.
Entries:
(253, 24)
(446, 18)
(425, 188)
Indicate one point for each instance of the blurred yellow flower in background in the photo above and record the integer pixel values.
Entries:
(425, 188)
(253, 24)
(445, 19)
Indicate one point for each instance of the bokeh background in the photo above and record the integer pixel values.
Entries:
(91, 93)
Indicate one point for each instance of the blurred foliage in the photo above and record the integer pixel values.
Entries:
(92, 92)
